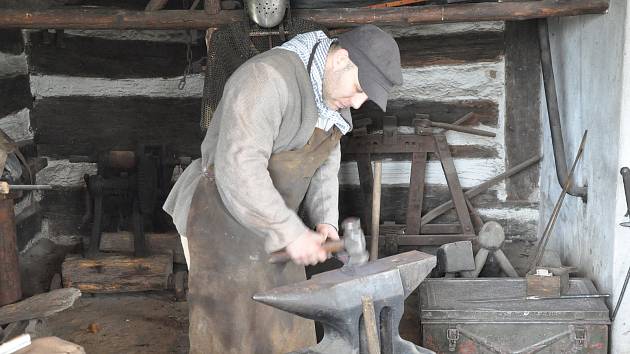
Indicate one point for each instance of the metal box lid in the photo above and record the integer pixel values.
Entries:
(445, 300)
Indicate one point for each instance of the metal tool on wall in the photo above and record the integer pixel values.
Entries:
(625, 175)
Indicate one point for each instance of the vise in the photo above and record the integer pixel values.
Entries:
(139, 180)
(336, 298)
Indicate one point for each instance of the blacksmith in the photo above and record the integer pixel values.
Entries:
(272, 147)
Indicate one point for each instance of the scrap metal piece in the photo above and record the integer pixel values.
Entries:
(335, 299)
(456, 257)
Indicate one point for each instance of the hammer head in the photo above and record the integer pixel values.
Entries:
(354, 241)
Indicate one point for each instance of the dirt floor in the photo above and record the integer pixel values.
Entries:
(148, 323)
(129, 323)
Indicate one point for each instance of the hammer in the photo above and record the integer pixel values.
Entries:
(353, 242)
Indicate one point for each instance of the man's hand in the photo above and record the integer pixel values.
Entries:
(328, 231)
(307, 249)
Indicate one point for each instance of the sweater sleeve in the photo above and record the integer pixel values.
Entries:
(322, 197)
(251, 107)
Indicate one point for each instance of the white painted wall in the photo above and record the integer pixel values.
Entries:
(621, 329)
(588, 54)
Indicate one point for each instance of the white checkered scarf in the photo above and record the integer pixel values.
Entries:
(302, 45)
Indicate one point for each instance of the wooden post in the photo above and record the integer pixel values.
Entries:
(376, 209)
(10, 287)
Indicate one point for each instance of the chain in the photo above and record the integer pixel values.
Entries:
(188, 68)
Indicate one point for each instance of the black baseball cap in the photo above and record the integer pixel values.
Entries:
(377, 56)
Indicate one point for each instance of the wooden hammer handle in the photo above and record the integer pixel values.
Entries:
(283, 256)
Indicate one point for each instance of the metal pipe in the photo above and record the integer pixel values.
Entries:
(554, 113)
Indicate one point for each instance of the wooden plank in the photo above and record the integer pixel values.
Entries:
(472, 47)
(16, 94)
(81, 125)
(416, 192)
(441, 229)
(11, 41)
(458, 151)
(39, 306)
(453, 184)
(106, 58)
(340, 17)
(486, 112)
(522, 105)
(117, 273)
(122, 241)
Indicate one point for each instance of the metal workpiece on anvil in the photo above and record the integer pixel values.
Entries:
(334, 298)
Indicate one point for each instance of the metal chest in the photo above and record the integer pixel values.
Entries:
(451, 325)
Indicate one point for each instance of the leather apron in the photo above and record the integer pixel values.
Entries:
(229, 264)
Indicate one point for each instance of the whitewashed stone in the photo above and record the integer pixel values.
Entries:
(60, 86)
(62, 173)
(17, 125)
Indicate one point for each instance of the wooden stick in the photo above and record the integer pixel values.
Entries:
(39, 306)
(91, 18)
(376, 209)
(371, 326)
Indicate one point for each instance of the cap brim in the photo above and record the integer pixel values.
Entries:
(375, 92)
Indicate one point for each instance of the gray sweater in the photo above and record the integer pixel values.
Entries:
(267, 107)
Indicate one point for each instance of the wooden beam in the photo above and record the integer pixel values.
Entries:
(111, 273)
(342, 17)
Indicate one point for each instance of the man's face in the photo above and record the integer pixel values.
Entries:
(341, 86)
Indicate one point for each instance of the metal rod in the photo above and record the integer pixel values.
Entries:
(461, 129)
(90, 18)
(554, 113)
(376, 209)
(623, 292)
(625, 177)
(562, 297)
(556, 209)
(29, 187)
